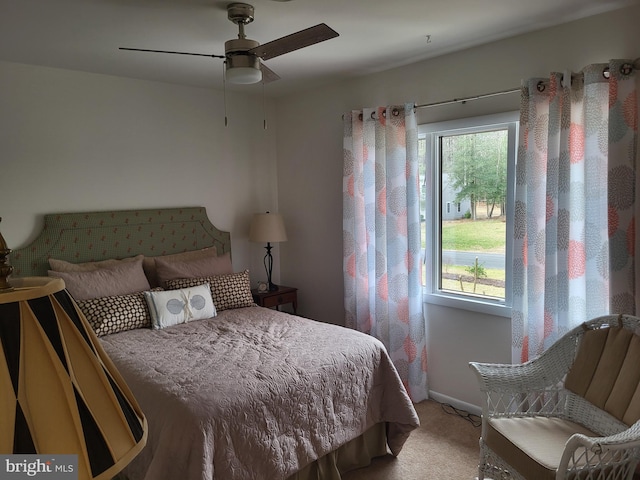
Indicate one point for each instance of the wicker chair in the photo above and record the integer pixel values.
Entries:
(571, 413)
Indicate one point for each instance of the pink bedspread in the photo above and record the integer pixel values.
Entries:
(255, 394)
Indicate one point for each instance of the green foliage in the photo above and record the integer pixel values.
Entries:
(477, 270)
(476, 167)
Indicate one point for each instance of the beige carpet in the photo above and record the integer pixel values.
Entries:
(444, 447)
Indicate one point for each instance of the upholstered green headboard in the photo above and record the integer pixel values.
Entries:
(93, 236)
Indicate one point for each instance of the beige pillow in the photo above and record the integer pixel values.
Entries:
(169, 269)
(121, 279)
(149, 263)
(64, 266)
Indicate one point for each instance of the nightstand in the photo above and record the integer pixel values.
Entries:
(275, 298)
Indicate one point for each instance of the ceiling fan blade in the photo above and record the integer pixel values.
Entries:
(295, 41)
(268, 75)
(169, 51)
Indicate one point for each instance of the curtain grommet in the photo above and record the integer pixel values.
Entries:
(541, 86)
(626, 68)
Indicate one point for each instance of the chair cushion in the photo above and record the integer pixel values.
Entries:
(532, 445)
(606, 372)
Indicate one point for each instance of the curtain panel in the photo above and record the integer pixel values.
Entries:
(575, 234)
(382, 243)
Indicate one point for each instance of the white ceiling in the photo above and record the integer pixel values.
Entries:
(375, 35)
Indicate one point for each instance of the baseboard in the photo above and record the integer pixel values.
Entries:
(454, 402)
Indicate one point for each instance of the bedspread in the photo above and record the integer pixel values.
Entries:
(255, 394)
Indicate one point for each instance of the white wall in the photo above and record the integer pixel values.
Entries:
(73, 141)
(309, 146)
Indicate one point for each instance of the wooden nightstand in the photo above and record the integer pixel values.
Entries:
(275, 298)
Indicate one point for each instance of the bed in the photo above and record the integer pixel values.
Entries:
(248, 393)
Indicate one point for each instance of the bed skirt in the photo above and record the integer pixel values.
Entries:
(354, 454)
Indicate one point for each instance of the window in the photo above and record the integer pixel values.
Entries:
(467, 249)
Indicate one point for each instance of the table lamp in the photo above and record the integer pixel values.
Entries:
(268, 227)
(60, 394)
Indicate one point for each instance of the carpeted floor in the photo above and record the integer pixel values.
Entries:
(444, 447)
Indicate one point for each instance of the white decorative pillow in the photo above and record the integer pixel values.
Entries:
(116, 313)
(232, 290)
(180, 306)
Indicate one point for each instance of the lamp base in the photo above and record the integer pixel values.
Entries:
(268, 266)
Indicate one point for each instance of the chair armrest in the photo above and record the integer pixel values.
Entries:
(531, 388)
(536, 374)
(544, 371)
(615, 454)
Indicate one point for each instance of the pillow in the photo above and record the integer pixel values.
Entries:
(228, 291)
(121, 279)
(170, 269)
(173, 307)
(115, 314)
(64, 266)
(149, 264)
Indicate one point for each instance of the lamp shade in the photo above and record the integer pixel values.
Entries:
(267, 228)
(59, 391)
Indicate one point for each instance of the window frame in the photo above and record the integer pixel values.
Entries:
(433, 209)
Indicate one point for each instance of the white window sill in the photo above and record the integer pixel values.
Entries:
(466, 303)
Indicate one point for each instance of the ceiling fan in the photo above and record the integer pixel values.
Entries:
(243, 57)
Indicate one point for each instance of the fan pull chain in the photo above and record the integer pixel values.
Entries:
(264, 108)
(224, 94)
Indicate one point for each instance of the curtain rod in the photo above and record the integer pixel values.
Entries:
(466, 99)
(635, 64)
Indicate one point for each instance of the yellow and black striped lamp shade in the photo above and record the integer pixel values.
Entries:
(59, 391)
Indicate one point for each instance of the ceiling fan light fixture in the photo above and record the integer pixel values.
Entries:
(243, 75)
(243, 69)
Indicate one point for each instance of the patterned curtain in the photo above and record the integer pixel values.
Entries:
(575, 233)
(382, 237)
